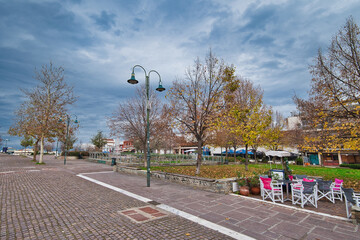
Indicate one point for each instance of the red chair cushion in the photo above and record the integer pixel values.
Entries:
(338, 183)
(308, 180)
(266, 182)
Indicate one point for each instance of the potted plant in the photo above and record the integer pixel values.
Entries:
(243, 184)
(254, 184)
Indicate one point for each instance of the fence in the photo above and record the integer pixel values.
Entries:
(156, 159)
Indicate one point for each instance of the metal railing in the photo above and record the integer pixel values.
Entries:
(156, 159)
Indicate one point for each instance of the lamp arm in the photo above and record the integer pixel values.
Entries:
(140, 67)
(157, 74)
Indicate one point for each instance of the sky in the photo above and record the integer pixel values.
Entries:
(270, 42)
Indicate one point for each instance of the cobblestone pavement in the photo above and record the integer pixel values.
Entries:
(50, 202)
(254, 218)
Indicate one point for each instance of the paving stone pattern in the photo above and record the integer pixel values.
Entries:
(259, 220)
(51, 202)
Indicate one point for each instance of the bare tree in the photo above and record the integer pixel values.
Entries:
(49, 146)
(129, 120)
(194, 100)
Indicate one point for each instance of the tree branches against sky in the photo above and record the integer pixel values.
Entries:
(270, 42)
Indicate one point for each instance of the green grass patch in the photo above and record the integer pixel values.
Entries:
(351, 177)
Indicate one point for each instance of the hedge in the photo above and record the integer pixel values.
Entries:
(354, 166)
(76, 154)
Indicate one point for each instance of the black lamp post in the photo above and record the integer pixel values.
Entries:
(68, 119)
(160, 88)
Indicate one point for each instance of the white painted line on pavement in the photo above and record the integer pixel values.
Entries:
(115, 189)
(95, 172)
(292, 207)
(203, 222)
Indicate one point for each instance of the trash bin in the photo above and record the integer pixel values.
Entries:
(113, 161)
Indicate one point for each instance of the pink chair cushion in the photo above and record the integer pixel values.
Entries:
(297, 186)
(338, 183)
(291, 177)
(266, 182)
(308, 180)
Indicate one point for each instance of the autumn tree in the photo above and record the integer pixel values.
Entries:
(44, 104)
(221, 137)
(274, 132)
(247, 117)
(194, 100)
(99, 140)
(319, 131)
(332, 112)
(26, 124)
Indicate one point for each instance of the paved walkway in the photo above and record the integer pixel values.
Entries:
(53, 201)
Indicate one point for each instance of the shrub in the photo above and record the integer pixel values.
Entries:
(299, 161)
(354, 166)
(80, 155)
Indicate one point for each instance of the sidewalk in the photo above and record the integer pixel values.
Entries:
(54, 201)
(257, 219)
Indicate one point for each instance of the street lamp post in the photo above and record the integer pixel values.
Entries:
(160, 88)
(68, 119)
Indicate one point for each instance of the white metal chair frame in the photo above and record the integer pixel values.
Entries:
(301, 194)
(274, 194)
(351, 198)
(337, 192)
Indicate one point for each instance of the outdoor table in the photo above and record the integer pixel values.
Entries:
(287, 182)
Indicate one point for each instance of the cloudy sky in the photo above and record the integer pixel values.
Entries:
(271, 42)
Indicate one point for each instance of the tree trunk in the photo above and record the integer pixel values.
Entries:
(246, 158)
(255, 156)
(41, 148)
(35, 150)
(199, 157)
(234, 153)
(321, 160)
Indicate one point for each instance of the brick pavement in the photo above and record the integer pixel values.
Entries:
(51, 202)
(257, 219)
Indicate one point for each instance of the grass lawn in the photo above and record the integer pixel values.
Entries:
(351, 177)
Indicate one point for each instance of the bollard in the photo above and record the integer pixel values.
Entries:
(113, 161)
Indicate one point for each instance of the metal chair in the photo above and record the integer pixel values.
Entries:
(351, 199)
(336, 189)
(303, 193)
(271, 190)
(324, 190)
(300, 177)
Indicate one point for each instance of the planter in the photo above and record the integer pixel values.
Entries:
(244, 190)
(255, 190)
